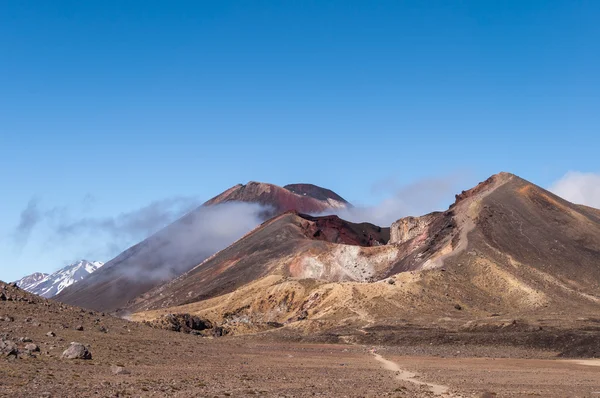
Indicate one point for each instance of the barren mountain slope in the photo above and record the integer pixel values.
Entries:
(505, 247)
(174, 250)
(290, 245)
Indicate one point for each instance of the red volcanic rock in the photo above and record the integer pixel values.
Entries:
(335, 230)
(303, 198)
(315, 192)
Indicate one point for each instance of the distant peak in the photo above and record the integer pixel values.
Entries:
(314, 191)
(489, 184)
(504, 175)
(307, 198)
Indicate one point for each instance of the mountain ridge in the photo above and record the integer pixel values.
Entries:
(50, 285)
(504, 246)
(170, 252)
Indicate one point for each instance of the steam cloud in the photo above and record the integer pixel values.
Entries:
(415, 199)
(579, 188)
(196, 233)
(30, 217)
(126, 227)
(129, 226)
(190, 240)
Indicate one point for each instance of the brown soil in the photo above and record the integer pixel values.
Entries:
(274, 364)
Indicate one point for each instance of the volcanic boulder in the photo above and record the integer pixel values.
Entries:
(76, 351)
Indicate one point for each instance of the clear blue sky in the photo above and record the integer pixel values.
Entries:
(106, 106)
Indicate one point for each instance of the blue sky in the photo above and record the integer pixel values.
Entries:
(109, 106)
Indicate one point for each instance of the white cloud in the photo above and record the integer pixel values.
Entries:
(414, 199)
(579, 188)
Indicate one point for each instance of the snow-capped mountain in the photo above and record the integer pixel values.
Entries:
(29, 281)
(50, 285)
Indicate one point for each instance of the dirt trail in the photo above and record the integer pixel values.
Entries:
(586, 362)
(405, 375)
(465, 214)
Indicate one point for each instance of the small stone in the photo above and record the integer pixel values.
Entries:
(32, 347)
(458, 306)
(51, 334)
(76, 351)
(8, 348)
(79, 328)
(103, 329)
(119, 370)
(3, 297)
(391, 281)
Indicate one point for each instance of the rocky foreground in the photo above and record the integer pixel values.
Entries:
(49, 349)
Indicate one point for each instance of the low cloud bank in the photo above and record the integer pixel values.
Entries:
(414, 199)
(579, 188)
(127, 227)
(174, 234)
(189, 241)
(62, 226)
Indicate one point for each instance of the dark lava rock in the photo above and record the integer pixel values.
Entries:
(79, 328)
(76, 351)
(219, 331)
(458, 306)
(302, 315)
(184, 323)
